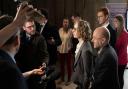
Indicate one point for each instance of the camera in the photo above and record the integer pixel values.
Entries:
(35, 15)
(20, 1)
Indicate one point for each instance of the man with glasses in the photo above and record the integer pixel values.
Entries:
(32, 53)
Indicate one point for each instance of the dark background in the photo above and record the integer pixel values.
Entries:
(59, 8)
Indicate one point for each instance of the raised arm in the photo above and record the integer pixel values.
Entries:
(12, 28)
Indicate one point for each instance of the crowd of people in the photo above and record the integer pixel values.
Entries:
(35, 54)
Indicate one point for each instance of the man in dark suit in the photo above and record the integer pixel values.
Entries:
(50, 32)
(105, 75)
(32, 53)
(103, 20)
(10, 75)
(51, 35)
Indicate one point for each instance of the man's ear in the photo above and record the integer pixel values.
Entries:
(23, 28)
(103, 40)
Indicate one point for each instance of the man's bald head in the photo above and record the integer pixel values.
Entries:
(104, 32)
(101, 37)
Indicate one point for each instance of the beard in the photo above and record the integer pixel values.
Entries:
(32, 33)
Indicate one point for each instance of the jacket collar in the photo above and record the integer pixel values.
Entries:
(78, 54)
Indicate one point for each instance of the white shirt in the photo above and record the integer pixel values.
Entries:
(105, 24)
(78, 47)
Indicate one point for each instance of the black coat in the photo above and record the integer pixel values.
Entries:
(10, 75)
(105, 70)
(49, 31)
(31, 55)
(112, 35)
(32, 52)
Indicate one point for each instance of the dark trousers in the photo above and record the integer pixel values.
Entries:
(66, 60)
(120, 75)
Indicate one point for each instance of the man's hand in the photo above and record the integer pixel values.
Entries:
(23, 11)
(37, 72)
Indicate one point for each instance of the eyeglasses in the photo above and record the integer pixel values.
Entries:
(32, 26)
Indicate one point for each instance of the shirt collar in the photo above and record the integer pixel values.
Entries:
(81, 41)
(28, 35)
(11, 55)
(105, 24)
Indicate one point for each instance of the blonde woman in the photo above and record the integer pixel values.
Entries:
(83, 55)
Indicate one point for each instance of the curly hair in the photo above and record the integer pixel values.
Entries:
(85, 30)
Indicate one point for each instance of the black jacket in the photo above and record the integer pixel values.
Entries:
(49, 31)
(105, 70)
(32, 53)
(112, 35)
(10, 75)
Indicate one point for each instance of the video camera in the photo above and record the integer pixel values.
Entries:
(36, 15)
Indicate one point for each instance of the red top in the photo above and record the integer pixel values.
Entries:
(121, 48)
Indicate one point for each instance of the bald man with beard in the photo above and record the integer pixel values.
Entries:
(105, 64)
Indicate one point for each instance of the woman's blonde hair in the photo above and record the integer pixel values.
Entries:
(85, 30)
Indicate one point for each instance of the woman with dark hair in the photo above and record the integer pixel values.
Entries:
(121, 46)
(83, 55)
(65, 54)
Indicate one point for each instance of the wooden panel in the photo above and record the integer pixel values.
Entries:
(1, 6)
(9, 7)
(59, 11)
(61, 8)
(89, 12)
(79, 6)
(69, 8)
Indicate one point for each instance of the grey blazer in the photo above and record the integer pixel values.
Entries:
(82, 66)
